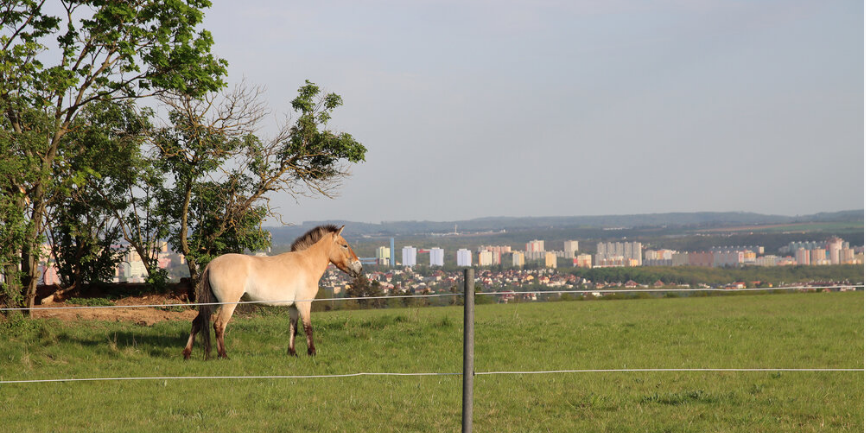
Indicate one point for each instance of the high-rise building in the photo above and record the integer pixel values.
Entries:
(767, 261)
(847, 257)
(464, 257)
(550, 260)
(794, 246)
(834, 247)
(680, 259)
(485, 258)
(383, 256)
(803, 257)
(409, 256)
(701, 258)
(497, 252)
(517, 259)
(583, 261)
(618, 254)
(658, 257)
(819, 257)
(728, 259)
(437, 257)
(535, 246)
(570, 249)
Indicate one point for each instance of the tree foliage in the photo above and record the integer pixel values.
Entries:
(54, 66)
(220, 169)
(360, 287)
(82, 164)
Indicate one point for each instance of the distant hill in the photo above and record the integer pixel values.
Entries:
(693, 220)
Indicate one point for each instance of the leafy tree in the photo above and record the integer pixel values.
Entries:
(360, 286)
(121, 183)
(221, 172)
(84, 225)
(104, 51)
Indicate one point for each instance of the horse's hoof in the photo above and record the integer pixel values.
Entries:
(292, 353)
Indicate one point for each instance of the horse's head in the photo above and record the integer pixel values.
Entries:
(343, 257)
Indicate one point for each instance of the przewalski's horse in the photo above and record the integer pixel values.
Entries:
(293, 276)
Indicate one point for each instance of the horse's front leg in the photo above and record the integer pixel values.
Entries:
(293, 329)
(308, 329)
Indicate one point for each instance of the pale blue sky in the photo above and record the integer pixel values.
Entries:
(489, 108)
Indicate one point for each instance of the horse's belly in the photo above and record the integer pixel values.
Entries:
(272, 295)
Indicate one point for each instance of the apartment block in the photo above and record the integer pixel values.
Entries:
(583, 261)
(804, 257)
(680, 259)
(383, 256)
(517, 259)
(570, 249)
(535, 246)
(464, 257)
(410, 255)
(437, 257)
(550, 260)
(609, 253)
(485, 258)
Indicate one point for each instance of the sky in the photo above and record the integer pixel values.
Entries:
(473, 109)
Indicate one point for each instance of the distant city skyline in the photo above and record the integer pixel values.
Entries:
(569, 108)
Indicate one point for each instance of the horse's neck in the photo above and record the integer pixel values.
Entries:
(319, 256)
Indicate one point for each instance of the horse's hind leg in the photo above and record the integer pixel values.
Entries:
(293, 329)
(304, 309)
(196, 327)
(219, 327)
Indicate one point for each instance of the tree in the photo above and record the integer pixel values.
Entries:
(221, 172)
(84, 227)
(105, 51)
(360, 287)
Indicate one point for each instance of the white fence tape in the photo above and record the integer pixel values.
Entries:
(434, 295)
(477, 373)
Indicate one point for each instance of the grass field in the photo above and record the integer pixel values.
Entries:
(818, 330)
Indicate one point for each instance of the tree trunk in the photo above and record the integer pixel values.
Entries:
(13, 285)
(194, 277)
(29, 278)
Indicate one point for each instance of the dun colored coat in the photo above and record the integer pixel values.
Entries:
(289, 279)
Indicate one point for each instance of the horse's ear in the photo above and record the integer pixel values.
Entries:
(341, 230)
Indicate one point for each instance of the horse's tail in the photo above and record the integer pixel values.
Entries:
(205, 295)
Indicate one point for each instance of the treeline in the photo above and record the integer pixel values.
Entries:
(673, 222)
(86, 165)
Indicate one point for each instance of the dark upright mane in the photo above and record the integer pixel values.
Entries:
(311, 237)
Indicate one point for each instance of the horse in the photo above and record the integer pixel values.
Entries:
(291, 279)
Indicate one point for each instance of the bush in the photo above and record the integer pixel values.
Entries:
(91, 302)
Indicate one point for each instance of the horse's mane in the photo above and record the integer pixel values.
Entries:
(311, 237)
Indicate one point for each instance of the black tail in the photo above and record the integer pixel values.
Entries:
(205, 295)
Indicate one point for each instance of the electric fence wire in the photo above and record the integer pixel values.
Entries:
(434, 295)
(477, 373)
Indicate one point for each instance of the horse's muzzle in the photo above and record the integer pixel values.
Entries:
(355, 268)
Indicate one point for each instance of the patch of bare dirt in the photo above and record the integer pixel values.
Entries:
(146, 316)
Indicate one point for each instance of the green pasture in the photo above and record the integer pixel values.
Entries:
(814, 330)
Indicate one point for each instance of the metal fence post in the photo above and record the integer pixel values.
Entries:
(468, 346)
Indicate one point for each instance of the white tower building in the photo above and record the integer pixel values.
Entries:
(464, 257)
